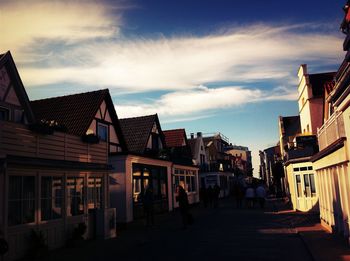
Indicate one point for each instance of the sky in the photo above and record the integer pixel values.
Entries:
(208, 66)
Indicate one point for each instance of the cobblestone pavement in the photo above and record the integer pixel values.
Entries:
(225, 233)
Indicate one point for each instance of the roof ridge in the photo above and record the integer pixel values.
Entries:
(144, 116)
(71, 95)
(174, 129)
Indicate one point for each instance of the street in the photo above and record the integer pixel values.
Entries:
(222, 233)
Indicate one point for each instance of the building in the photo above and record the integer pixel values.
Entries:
(184, 172)
(271, 168)
(53, 163)
(243, 157)
(299, 170)
(147, 162)
(332, 162)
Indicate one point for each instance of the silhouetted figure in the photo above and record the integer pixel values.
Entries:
(148, 200)
(204, 196)
(210, 193)
(250, 196)
(238, 194)
(183, 206)
(260, 193)
(216, 193)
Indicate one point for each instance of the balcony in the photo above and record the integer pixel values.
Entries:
(332, 130)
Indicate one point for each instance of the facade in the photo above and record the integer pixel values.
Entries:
(270, 166)
(184, 172)
(199, 156)
(220, 169)
(243, 156)
(332, 162)
(53, 175)
(148, 163)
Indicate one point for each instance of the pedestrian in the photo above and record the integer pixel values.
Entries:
(260, 193)
(204, 196)
(216, 193)
(183, 206)
(238, 194)
(210, 193)
(148, 206)
(250, 196)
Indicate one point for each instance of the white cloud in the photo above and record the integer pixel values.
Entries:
(179, 104)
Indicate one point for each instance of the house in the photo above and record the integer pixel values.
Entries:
(53, 163)
(144, 164)
(299, 169)
(271, 168)
(184, 173)
(198, 151)
(220, 164)
(331, 163)
(244, 155)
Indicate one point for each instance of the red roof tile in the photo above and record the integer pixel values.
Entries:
(174, 138)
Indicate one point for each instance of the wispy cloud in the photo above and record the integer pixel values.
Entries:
(82, 42)
(179, 104)
(244, 54)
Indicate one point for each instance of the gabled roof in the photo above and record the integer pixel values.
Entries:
(77, 111)
(318, 81)
(137, 131)
(175, 138)
(7, 61)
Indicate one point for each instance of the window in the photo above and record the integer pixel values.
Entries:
(312, 185)
(4, 114)
(75, 205)
(95, 192)
(155, 141)
(307, 191)
(18, 116)
(202, 159)
(298, 182)
(21, 205)
(51, 198)
(102, 132)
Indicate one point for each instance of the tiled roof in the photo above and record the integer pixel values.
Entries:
(174, 138)
(75, 111)
(137, 131)
(318, 81)
(291, 125)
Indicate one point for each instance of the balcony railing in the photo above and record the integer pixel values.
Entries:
(332, 130)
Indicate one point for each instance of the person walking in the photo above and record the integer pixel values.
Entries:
(261, 194)
(216, 193)
(183, 206)
(249, 196)
(148, 206)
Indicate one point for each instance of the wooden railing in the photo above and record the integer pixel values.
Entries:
(331, 130)
(18, 140)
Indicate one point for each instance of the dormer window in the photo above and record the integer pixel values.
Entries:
(4, 114)
(102, 131)
(155, 141)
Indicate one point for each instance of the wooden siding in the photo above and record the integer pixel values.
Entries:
(17, 139)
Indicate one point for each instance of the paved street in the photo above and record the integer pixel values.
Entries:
(223, 233)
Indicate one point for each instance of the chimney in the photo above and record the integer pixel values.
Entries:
(199, 134)
(192, 135)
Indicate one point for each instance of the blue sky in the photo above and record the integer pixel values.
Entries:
(212, 66)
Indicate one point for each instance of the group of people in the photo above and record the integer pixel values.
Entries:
(210, 196)
(251, 194)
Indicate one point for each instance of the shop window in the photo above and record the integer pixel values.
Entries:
(21, 202)
(188, 184)
(51, 198)
(75, 195)
(95, 192)
(298, 182)
(102, 132)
